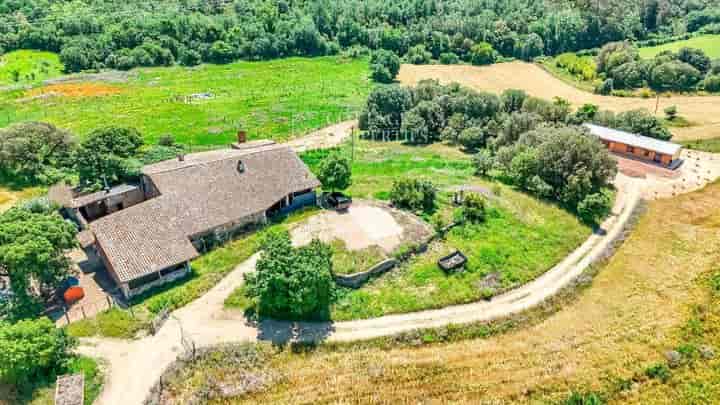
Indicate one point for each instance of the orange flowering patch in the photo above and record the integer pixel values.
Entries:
(76, 90)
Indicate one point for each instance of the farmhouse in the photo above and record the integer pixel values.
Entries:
(638, 146)
(186, 205)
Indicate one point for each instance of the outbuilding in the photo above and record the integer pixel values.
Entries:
(637, 146)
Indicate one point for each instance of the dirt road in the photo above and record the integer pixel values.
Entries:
(703, 110)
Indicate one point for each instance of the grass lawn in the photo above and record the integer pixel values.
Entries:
(204, 105)
(28, 67)
(347, 261)
(707, 145)
(521, 239)
(710, 44)
(563, 74)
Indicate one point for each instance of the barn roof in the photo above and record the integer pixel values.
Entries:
(201, 192)
(639, 141)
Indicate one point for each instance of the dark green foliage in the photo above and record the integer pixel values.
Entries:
(639, 122)
(513, 125)
(335, 173)
(472, 138)
(35, 151)
(674, 75)
(414, 195)
(606, 87)
(553, 111)
(449, 58)
(483, 162)
(584, 398)
(695, 58)
(292, 283)
(423, 123)
(482, 54)
(31, 351)
(32, 255)
(595, 207)
(586, 113)
(384, 66)
(384, 109)
(512, 100)
(671, 112)
(658, 371)
(96, 34)
(418, 55)
(473, 208)
(711, 83)
(108, 156)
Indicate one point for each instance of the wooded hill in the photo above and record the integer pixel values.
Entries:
(103, 33)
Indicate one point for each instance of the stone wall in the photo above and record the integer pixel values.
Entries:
(356, 280)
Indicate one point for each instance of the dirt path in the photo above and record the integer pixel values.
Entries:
(327, 137)
(703, 110)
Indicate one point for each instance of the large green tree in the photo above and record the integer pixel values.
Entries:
(292, 283)
(108, 155)
(335, 172)
(33, 247)
(33, 151)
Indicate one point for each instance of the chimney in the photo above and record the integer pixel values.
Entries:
(181, 157)
(241, 136)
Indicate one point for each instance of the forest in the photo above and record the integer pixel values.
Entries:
(96, 34)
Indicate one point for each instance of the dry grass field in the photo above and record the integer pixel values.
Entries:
(703, 110)
(639, 306)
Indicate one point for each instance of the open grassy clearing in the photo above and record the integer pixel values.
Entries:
(28, 67)
(521, 239)
(702, 111)
(204, 105)
(10, 197)
(708, 145)
(652, 296)
(710, 44)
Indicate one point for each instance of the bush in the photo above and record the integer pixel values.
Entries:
(674, 75)
(472, 138)
(414, 195)
(418, 55)
(292, 283)
(712, 83)
(606, 87)
(473, 208)
(335, 173)
(695, 58)
(658, 371)
(384, 66)
(671, 112)
(31, 351)
(512, 100)
(482, 53)
(595, 207)
(584, 398)
(483, 162)
(449, 58)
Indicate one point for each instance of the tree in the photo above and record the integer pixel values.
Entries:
(674, 75)
(671, 112)
(472, 138)
(695, 58)
(292, 283)
(384, 108)
(108, 155)
(482, 54)
(418, 55)
(449, 58)
(532, 47)
(483, 162)
(335, 172)
(639, 122)
(512, 100)
(384, 66)
(221, 52)
(31, 351)
(414, 195)
(712, 83)
(595, 207)
(32, 256)
(29, 150)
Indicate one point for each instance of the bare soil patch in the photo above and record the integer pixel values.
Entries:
(703, 110)
(76, 90)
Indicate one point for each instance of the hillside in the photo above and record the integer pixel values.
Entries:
(710, 44)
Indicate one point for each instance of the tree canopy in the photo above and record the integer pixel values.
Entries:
(34, 151)
(108, 156)
(335, 172)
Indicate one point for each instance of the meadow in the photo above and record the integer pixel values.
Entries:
(203, 105)
(710, 44)
(28, 67)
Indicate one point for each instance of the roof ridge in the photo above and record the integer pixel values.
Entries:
(232, 154)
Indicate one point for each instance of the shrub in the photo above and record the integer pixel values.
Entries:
(32, 350)
(482, 54)
(595, 207)
(712, 83)
(473, 208)
(449, 58)
(658, 371)
(292, 283)
(584, 398)
(166, 140)
(414, 195)
(384, 66)
(418, 55)
(674, 75)
(472, 138)
(335, 173)
(671, 112)
(512, 100)
(695, 58)
(483, 162)
(606, 87)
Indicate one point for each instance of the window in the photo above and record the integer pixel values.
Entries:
(630, 149)
(241, 166)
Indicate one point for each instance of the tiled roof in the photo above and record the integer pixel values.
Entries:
(639, 141)
(202, 192)
(87, 199)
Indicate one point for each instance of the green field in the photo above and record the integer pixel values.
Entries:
(521, 239)
(710, 44)
(28, 67)
(204, 105)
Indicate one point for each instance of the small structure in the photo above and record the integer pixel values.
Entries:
(641, 147)
(70, 389)
(452, 262)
